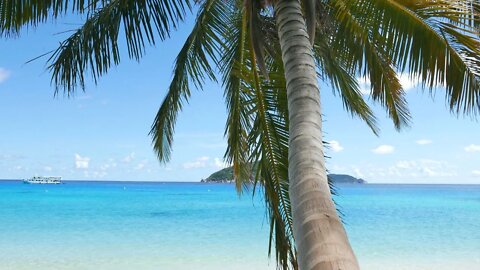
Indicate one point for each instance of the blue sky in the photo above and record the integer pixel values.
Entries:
(103, 133)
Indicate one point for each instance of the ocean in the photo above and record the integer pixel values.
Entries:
(136, 226)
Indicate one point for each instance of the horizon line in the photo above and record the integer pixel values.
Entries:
(158, 181)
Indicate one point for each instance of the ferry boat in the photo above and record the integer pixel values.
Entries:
(44, 180)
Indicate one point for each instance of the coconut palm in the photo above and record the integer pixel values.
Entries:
(270, 55)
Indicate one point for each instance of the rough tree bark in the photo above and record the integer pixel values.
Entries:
(320, 237)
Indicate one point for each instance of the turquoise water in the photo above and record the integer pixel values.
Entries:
(82, 225)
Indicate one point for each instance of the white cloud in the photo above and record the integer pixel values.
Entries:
(364, 84)
(424, 168)
(423, 142)
(429, 172)
(129, 158)
(140, 166)
(47, 168)
(105, 167)
(408, 171)
(94, 174)
(200, 162)
(11, 157)
(358, 173)
(219, 163)
(405, 164)
(472, 148)
(81, 162)
(384, 149)
(4, 74)
(476, 173)
(110, 164)
(335, 146)
(407, 83)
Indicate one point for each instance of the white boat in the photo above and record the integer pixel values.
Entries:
(44, 180)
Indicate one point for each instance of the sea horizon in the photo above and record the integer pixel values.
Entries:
(206, 183)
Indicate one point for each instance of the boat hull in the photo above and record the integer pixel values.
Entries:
(39, 180)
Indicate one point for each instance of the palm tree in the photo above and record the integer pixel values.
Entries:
(270, 54)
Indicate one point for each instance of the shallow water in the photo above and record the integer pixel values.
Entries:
(125, 225)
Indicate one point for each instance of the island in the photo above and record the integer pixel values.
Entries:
(226, 176)
(345, 179)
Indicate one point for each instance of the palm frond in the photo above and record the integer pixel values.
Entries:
(268, 139)
(192, 64)
(363, 54)
(254, 9)
(94, 47)
(434, 41)
(269, 136)
(238, 121)
(17, 14)
(343, 82)
(254, 130)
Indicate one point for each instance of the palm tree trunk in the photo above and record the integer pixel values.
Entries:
(320, 238)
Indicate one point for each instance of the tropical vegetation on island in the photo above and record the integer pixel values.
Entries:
(226, 175)
(269, 56)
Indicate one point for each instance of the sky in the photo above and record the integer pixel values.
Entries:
(102, 133)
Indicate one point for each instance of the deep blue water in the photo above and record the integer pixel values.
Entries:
(127, 225)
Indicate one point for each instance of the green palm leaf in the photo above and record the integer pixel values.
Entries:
(192, 64)
(94, 47)
(239, 120)
(430, 40)
(364, 55)
(17, 14)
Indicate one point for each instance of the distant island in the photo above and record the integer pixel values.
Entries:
(346, 179)
(226, 176)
